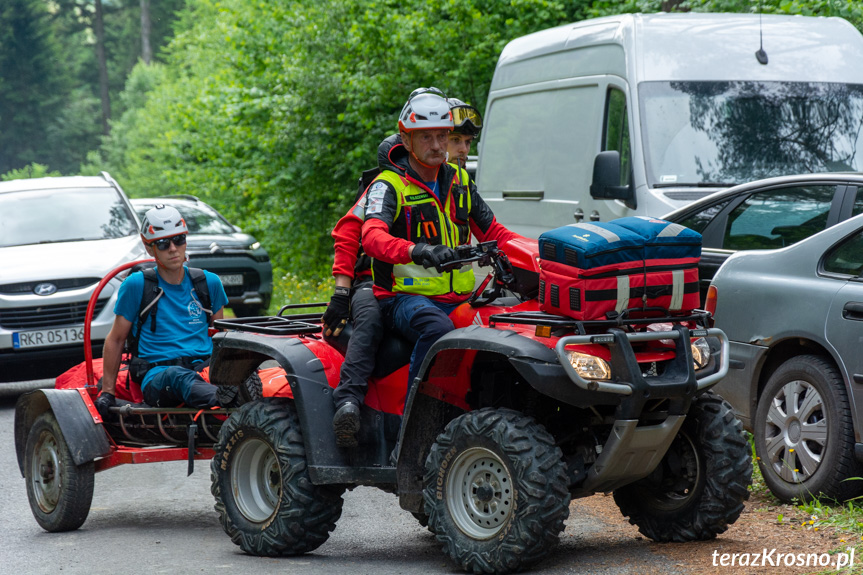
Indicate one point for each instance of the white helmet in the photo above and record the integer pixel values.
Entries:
(426, 109)
(161, 222)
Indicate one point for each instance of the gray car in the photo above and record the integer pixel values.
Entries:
(58, 238)
(216, 245)
(767, 214)
(794, 317)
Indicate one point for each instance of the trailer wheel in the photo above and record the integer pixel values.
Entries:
(59, 492)
(700, 485)
(496, 491)
(266, 501)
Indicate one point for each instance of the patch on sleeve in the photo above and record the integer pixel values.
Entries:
(375, 202)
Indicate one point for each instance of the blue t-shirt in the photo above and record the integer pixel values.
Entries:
(181, 323)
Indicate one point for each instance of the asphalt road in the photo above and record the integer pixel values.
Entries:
(150, 519)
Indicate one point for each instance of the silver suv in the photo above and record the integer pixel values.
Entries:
(58, 238)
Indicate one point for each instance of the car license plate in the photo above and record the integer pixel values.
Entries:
(46, 337)
(232, 279)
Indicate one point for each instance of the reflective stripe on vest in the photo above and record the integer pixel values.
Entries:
(415, 279)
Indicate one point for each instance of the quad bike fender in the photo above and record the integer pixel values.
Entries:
(77, 416)
(537, 364)
(237, 354)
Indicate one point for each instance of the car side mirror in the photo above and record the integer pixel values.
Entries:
(606, 180)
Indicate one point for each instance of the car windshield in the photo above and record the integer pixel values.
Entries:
(199, 219)
(68, 215)
(725, 133)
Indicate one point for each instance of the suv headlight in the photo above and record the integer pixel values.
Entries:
(254, 246)
(589, 366)
(700, 353)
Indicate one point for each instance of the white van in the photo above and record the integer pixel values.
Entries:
(641, 114)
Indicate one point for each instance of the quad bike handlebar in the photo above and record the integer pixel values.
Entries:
(484, 254)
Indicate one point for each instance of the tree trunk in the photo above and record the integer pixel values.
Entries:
(99, 30)
(146, 51)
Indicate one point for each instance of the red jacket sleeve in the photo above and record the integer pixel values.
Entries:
(347, 243)
(378, 243)
(495, 231)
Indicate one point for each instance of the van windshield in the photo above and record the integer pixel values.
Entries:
(725, 133)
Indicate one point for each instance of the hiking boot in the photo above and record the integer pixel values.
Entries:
(346, 424)
(227, 395)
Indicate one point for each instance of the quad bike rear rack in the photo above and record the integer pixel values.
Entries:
(293, 324)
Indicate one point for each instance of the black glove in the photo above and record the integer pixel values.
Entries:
(337, 314)
(103, 402)
(429, 256)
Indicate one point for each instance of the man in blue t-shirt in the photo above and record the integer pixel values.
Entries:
(180, 345)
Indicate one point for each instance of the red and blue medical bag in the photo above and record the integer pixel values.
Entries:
(592, 270)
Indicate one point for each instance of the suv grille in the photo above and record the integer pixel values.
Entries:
(65, 284)
(46, 316)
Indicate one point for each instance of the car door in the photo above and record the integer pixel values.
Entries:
(844, 324)
(766, 218)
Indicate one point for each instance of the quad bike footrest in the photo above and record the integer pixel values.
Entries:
(144, 425)
(631, 453)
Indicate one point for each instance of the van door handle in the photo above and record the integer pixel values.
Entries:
(853, 310)
(534, 195)
(578, 214)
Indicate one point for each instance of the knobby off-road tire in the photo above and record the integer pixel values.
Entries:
(266, 502)
(59, 491)
(495, 491)
(700, 485)
(804, 435)
(251, 390)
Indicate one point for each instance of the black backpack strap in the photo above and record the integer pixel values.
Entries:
(148, 308)
(202, 290)
(365, 180)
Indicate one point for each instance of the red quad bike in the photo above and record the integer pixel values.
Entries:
(514, 413)
(61, 440)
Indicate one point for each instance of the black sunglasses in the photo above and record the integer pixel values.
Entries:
(165, 243)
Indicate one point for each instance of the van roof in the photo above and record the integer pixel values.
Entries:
(699, 46)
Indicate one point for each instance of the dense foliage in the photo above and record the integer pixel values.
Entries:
(269, 110)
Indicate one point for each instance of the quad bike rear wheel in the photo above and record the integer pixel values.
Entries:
(700, 485)
(59, 492)
(266, 501)
(496, 491)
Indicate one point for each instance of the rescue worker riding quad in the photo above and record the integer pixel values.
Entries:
(514, 413)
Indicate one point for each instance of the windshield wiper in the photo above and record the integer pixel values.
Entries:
(694, 185)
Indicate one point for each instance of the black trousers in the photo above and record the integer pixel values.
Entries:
(368, 330)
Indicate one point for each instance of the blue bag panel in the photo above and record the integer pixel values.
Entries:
(663, 239)
(591, 245)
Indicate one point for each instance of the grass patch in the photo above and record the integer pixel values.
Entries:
(291, 289)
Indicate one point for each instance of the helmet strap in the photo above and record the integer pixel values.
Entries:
(415, 157)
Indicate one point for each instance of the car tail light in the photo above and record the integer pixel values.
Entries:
(710, 302)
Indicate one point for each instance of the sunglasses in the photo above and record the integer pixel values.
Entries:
(165, 243)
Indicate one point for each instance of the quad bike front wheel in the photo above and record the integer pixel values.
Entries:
(700, 485)
(59, 492)
(495, 491)
(266, 501)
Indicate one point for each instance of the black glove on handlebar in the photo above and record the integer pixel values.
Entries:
(337, 314)
(103, 402)
(429, 256)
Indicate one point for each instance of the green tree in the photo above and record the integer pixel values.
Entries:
(33, 81)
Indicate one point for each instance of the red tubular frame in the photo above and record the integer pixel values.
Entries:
(88, 318)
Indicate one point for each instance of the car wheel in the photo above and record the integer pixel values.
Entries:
(59, 491)
(700, 485)
(266, 501)
(495, 491)
(804, 434)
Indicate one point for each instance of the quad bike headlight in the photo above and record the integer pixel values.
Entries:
(700, 353)
(589, 366)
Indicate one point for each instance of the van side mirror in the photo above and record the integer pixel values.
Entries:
(606, 180)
